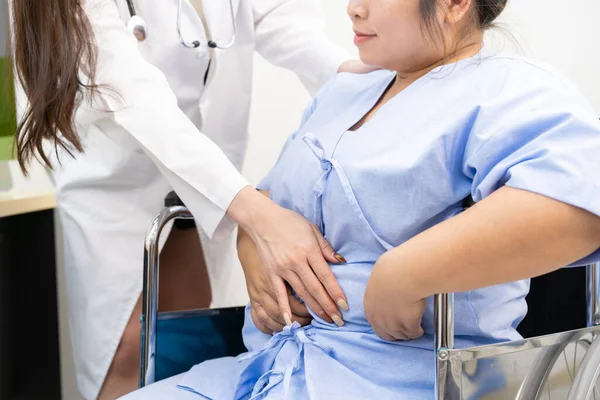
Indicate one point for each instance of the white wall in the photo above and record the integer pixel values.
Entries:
(565, 34)
(280, 98)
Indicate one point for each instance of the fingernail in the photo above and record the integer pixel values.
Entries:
(338, 321)
(339, 257)
(343, 305)
(287, 319)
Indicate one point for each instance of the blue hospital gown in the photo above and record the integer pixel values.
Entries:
(463, 129)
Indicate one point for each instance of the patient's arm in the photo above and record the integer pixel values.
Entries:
(508, 236)
(265, 311)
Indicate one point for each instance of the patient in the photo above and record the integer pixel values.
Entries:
(381, 165)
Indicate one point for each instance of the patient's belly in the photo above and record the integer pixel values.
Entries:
(353, 279)
(485, 315)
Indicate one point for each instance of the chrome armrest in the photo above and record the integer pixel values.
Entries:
(444, 338)
(150, 291)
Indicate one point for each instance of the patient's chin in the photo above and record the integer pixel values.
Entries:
(371, 57)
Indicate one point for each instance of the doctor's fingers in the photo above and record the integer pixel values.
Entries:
(298, 308)
(297, 305)
(271, 307)
(262, 321)
(326, 248)
(311, 301)
(322, 271)
(281, 295)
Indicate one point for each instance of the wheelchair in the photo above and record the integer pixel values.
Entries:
(564, 365)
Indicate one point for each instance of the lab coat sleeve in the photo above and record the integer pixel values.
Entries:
(141, 101)
(289, 34)
(541, 137)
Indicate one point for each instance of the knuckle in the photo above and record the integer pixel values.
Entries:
(324, 276)
(287, 275)
(263, 318)
(265, 280)
(278, 266)
(325, 245)
(306, 249)
(265, 330)
(276, 288)
(315, 287)
(268, 309)
(302, 292)
(414, 333)
(294, 258)
(257, 322)
(278, 293)
(272, 277)
(287, 261)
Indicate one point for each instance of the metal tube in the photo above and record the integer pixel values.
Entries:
(585, 381)
(211, 43)
(532, 387)
(234, 26)
(593, 294)
(444, 339)
(444, 321)
(150, 291)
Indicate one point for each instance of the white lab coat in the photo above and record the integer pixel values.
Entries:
(151, 142)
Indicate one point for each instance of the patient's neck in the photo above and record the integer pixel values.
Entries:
(405, 79)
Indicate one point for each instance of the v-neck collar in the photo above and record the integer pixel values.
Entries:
(379, 90)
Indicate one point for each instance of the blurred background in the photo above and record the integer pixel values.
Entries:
(564, 34)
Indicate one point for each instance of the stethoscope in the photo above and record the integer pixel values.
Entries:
(138, 28)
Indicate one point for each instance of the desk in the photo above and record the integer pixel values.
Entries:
(29, 334)
(27, 195)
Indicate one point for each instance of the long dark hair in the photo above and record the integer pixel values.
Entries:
(53, 42)
(485, 13)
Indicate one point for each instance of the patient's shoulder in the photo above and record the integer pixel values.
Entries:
(350, 83)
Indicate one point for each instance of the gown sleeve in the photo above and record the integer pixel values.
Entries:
(540, 136)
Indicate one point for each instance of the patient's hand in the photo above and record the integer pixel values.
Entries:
(390, 307)
(265, 311)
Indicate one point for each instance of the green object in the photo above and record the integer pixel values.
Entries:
(8, 118)
(7, 148)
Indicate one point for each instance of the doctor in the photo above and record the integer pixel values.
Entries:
(139, 98)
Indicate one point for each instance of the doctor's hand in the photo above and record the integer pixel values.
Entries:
(291, 250)
(265, 311)
(357, 67)
(393, 311)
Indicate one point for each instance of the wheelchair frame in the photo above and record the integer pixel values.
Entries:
(449, 379)
(449, 374)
